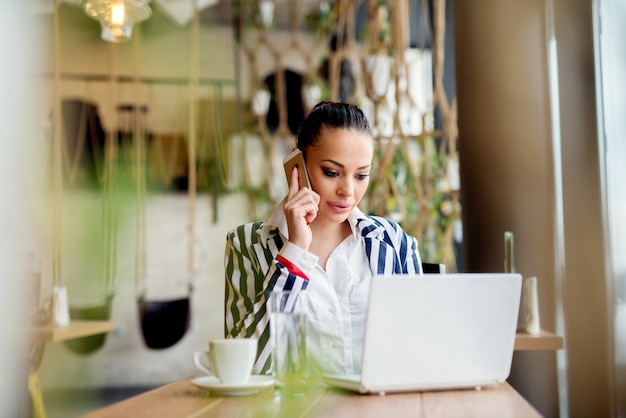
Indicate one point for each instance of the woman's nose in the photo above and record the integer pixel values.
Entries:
(346, 188)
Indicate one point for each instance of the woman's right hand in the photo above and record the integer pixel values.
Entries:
(300, 209)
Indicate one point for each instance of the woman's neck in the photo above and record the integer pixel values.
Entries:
(328, 230)
(326, 237)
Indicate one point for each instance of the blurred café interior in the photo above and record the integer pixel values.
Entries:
(131, 149)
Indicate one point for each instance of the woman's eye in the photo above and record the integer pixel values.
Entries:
(330, 173)
(362, 176)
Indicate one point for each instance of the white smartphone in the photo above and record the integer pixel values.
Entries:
(296, 158)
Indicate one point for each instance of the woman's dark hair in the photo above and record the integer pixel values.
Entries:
(328, 116)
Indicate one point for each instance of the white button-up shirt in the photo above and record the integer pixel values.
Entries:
(338, 298)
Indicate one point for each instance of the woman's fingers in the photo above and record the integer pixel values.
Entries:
(294, 186)
(300, 210)
(316, 198)
(301, 204)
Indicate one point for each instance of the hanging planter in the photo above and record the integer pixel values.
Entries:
(164, 293)
(90, 344)
(165, 290)
(378, 68)
(261, 102)
(166, 287)
(453, 174)
(165, 321)
(164, 283)
(266, 13)
(311, 95)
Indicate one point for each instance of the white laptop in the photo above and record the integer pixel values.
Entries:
(437, 332)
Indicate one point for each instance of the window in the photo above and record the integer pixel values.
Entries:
(610, 51)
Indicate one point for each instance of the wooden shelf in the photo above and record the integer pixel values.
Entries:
(542, 341)
(76, 329)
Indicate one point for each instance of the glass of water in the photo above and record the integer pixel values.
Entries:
(289, 327)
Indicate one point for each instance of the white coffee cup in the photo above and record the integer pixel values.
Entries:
(231, 359)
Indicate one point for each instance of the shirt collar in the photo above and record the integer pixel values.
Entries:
(360, 224)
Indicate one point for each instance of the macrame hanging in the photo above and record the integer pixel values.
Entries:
(83, 143)
(89, 344)
(165, 153)
(278, 102)
(416, 169)
(415, 177)
(164, 322)
(213, 167)
(68, 154)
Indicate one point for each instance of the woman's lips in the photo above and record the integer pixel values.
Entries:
(340, 207)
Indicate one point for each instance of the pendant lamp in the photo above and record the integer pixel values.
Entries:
(117, 17)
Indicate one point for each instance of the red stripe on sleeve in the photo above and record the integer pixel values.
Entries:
(293, 269)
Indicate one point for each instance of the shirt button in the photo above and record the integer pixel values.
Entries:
(306, 265)
(335, 345)
(332, 309)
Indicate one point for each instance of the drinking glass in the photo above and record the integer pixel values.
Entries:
(289, 327)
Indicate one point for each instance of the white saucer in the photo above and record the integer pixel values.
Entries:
(215, 385)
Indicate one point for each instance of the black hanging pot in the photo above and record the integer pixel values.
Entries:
(164, 310)
(164, 322)
(90, 344)
(164, 300)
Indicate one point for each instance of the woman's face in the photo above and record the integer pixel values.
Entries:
(339, 167)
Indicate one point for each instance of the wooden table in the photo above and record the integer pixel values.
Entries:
(40, 336)
(182, 399)
(542, 341)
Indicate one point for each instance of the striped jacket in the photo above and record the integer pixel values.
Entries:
(252, 273)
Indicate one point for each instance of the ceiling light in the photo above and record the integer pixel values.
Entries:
(117, 17)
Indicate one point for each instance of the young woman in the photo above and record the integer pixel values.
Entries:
(317, 239)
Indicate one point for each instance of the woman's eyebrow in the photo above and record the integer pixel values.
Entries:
(342, 166)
